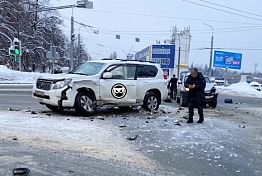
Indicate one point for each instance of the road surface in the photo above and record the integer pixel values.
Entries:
(228, 143)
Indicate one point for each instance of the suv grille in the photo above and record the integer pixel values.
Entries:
(43, 84)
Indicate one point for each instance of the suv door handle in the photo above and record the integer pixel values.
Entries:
(145, 82)
(130, 84)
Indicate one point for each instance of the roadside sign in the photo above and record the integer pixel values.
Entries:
(161, 54)
(49, 55)
(164, 55)
(227, 60)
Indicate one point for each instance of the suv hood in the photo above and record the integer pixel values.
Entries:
(61, 76)
(209, 86)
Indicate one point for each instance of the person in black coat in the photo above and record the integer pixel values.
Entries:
(172, 85)
(196, 84)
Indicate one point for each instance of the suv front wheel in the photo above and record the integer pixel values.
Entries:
(151, 102)
(84, 103)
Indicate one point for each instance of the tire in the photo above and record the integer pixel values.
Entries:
(84, 104)
(151, 102)
(178, 100)
(213, 103)
(183, 100)
(54, 108)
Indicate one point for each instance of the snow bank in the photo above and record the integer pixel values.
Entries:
(8, 76)
(240, 89)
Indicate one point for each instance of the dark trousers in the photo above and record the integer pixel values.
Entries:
(173, 94)
(195, 103)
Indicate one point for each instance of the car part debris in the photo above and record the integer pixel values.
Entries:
(33, 112)
(132, 138)
(242, 126)
(21, 172)
(228, 100)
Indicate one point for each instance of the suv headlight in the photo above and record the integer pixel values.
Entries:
(62, 83)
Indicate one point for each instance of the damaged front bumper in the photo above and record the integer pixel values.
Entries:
(64, 97)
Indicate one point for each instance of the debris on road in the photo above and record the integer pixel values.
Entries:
(176, 122)
(100, 118)
(242, 126)
(132, 138)
(21, 172)
(122, 126)
(228, 100)
(33, 112)
(12, 109)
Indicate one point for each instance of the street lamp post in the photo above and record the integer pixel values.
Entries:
(211, 50)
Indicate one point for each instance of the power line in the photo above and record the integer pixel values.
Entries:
(228, 31)
(242, 11)
(229, 12)
(171, 17)
(221, 48)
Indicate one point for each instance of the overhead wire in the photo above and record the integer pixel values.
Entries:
(172, 17)
(229, 12)
(231, 8)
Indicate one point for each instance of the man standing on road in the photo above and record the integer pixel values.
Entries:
(172, 85)
(196, 84)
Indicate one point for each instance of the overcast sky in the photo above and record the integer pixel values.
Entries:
(152, 20)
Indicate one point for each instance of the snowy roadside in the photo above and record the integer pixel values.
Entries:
(97, 139)
(240, 89)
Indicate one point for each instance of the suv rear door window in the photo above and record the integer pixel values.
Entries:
(146, 71)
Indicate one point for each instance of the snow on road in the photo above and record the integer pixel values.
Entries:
(93, 138)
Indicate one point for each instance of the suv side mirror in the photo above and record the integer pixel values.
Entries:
(107, 75)
(179, 82)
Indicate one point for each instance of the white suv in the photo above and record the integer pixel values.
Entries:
(103, 83)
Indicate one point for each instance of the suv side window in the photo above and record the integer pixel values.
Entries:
(146, 71)
(123, 71)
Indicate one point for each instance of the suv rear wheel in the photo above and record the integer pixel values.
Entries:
(151, 102)
(84, 103)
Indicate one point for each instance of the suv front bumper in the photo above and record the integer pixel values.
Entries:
(64, 97)
(210, 96)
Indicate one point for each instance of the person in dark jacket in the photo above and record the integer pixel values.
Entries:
(172, 85)
(196, 84)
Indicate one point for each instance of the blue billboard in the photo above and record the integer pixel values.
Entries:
(228, 60)
(164, 55)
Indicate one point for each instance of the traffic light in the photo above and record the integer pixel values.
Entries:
(17, 47)
(11, 50)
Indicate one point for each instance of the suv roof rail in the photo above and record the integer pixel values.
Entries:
(129, 60)
(140, 61)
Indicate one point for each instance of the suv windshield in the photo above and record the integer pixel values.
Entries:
(89, 68)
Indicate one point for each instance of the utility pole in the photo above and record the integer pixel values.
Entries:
(78, 48)
(178, 62)
(17, 22)
(255, 64)
(72, 44)
(52, 50)
(211, 50)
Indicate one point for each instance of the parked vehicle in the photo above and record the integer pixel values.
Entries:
(210, 92)
(103, 83)
(256, 85)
